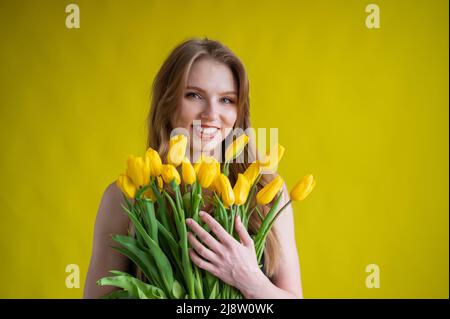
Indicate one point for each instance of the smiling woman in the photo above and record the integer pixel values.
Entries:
(202, 88)
(209, 97)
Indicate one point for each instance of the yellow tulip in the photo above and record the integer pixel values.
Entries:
(268, 192)
(208, 171)
(177, 149)
(138, 169)
(159, 181)
(155, 162)
(303, 188)
(215, 185)
(271, 160)
(188, 172)
(170, 173)
(252, 172)
(198, 163)
(126, 185)
(226, 191)
(235, 148)
(149, 194)
(217, 166)
(241, 190)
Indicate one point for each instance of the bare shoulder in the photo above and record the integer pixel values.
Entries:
(110, 220)
(110, 216)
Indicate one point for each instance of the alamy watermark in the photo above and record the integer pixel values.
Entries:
(256, 149)
(373, 279)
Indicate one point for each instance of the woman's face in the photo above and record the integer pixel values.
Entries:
(208, 107)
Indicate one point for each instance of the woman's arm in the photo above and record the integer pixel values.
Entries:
(235, 262)
(110, 220)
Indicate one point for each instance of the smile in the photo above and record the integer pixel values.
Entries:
(205, 132)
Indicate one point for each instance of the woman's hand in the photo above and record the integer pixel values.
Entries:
(231, 261)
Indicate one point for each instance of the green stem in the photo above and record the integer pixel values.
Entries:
(275, 218)
(225, 169)
(233, 217)
(252, 192)
(162, 207)
(150, 220)
(183, 241)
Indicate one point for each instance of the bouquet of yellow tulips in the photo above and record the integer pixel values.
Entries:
(158, 205)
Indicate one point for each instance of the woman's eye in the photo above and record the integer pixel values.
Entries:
(194, 95)
(227, 100)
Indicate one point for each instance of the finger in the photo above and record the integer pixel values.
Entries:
(203, 264)
(209, 240)
(200, 249)
(216, 228)
(243, 233)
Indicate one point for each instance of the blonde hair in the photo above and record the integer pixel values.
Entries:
(167, 91)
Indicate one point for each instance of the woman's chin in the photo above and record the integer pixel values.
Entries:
(206, 147)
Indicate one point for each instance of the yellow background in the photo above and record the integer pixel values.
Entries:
(364, 110)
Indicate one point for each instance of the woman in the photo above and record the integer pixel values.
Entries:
(202, 80)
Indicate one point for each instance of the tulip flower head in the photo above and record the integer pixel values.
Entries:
(226, 191)
(155, 162)
(150, 195)
(268, 192)
(208, 170)
(159, 182)
(188, 172)
(303, 188)
(198, 163)
(270, 162)
(252, 172)
(241, 190)
(126, 185)
(169, 173)
(177, 149)
(138, 169)
(236, 148)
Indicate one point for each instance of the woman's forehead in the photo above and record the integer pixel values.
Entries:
(211, 76)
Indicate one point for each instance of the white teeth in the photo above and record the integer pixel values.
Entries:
(206, 130)
(209, 130)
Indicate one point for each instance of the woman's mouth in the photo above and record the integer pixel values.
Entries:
(206, 132)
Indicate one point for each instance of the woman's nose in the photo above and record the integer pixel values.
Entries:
(211, 110)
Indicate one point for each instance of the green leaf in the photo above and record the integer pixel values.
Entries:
(161, 260)
(178, 290)
(252, 192)
(150, 218)
(137, 288)
(198, 283)
(119, 273)
(187, 203)
(173, 206)
(136, 253)
(118, 294)
(162, 209)
(170, 241)
(214, 291)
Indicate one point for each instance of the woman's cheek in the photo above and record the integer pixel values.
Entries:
(187, 114)
(230, 117)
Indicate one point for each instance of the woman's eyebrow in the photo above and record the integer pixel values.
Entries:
(203, 91)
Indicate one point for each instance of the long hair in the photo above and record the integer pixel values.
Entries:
(167, 92)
